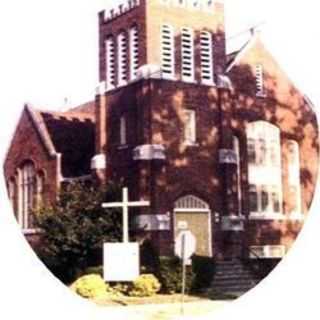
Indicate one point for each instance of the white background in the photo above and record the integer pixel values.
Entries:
(48, 53)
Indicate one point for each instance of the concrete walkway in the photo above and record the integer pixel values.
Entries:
(168, 311)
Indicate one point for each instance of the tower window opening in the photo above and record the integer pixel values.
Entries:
(134, 52)
(187, 53)
(206, 50)
(110, 63)
(122, 59)
(167, 52)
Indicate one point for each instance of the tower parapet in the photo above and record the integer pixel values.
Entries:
(121, 9)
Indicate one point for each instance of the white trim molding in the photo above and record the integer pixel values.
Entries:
(149, 152)
(232, 223)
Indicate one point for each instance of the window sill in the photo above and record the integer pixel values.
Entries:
(27, 232)
(296, 216)
(123, 147)
(267, 216)
(191, 144)
(191, 81)
(165, 77)
(234, 217)
(208, 83)
(261, 95)
(276, 216)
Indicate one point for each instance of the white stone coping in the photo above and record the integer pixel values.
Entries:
(99, 161)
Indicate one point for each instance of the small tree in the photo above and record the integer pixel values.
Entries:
(75, 228)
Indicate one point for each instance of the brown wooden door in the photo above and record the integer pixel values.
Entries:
(198, 224)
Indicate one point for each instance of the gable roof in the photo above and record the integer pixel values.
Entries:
(234, 57)
(70, 133)
(73, 135)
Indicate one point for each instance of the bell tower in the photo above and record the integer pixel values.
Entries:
(183, 39)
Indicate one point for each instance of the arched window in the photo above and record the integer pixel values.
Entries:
(110, 63)
(167, 51)
(236, 149)
(206, 52)
(40, 189)
(294, 178)
(134, 51)
(253, 198)
(264, 169)
(27, 191)
(11, 187)
(187, 54)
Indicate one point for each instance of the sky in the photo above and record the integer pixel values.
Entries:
(48, 52)
(49, 49)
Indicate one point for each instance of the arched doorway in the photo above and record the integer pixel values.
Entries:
(192, 213)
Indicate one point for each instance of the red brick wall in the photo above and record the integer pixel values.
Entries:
(154, 109)
(285, 107)
(113, 27)
(27, 145)
(154, 112)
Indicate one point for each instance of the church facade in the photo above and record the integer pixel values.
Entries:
(221, 144)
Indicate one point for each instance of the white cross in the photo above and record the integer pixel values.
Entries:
(125, 204)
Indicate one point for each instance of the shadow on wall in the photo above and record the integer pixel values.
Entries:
(156, 109)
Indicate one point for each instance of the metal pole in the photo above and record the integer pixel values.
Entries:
(125, 221)
(183, 273)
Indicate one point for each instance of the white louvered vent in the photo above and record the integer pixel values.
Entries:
(187, 53)
(190, 202)
(259, 80)
(134, 52)
(167, 51)
(206, 58)
(122, 59)
(268, 251)
(110, 62)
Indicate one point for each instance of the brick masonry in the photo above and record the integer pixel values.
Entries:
(154, 112)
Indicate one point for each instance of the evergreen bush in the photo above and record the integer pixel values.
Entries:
(146, 285)
(90, 286)
(170, 275)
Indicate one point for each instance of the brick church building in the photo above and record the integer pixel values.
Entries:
(222, 144)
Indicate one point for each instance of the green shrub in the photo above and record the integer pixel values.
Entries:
(94, 270)
(203, 269)
(75, 227)
(90, 286)
(145, 286)
(170, 275)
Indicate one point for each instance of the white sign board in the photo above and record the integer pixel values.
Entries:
(121, 261)
(185, 244)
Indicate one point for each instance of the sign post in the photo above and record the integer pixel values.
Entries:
(121, 260)
(185, 248)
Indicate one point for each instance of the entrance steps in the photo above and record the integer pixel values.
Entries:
(232, 278)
